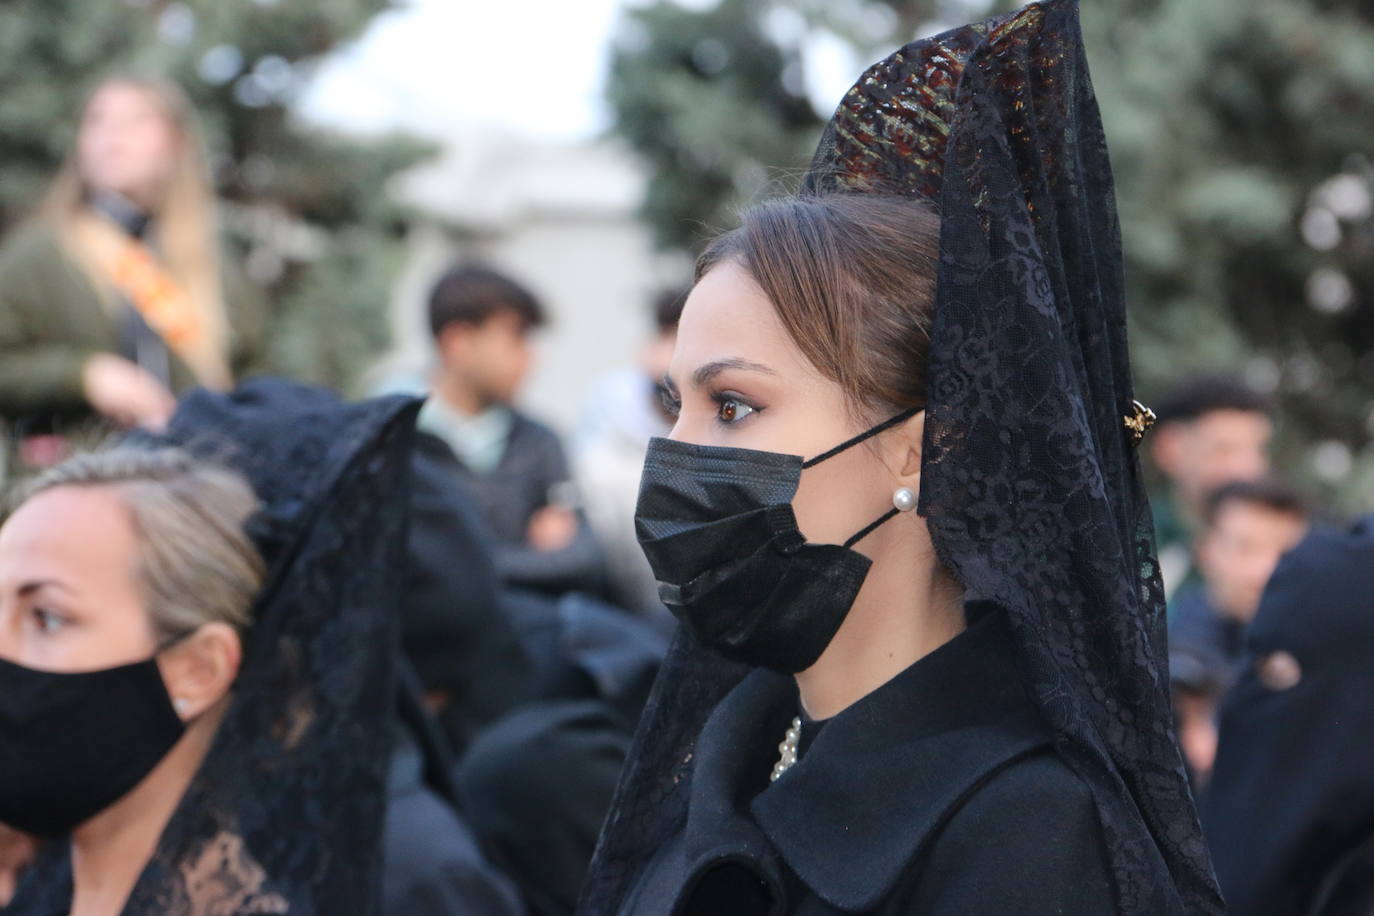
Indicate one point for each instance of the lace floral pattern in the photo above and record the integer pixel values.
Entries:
(1030, 482)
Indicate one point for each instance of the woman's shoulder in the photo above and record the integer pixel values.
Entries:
(1027, 839)
(1039, 783)
(33, 241)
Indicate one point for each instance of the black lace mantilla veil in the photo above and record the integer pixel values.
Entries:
(1030, 482)
(285, 815)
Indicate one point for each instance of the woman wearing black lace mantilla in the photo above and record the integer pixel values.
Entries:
(901, 521)
(197, 664)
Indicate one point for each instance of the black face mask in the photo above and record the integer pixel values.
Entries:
(718, 529)
(73, 744)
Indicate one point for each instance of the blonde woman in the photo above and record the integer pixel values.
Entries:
(197, 673)
(113, 298)
(124, 633)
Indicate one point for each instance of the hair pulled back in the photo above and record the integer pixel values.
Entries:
(197, 564)
(852, 278)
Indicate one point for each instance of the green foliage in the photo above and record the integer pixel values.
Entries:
(241, 61)
(716, 108)
(1241, 132)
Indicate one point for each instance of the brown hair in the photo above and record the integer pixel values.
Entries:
(470, 294)
(1273, 493)
(852, 277)
(197, 564)
(186, 224)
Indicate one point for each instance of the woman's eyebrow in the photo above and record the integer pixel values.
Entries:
(710, 370)
(28, 588)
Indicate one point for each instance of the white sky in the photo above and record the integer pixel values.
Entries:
(535, 67)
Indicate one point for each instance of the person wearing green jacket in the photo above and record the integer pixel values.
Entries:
(114, 298)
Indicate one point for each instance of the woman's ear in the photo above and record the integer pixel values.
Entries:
(906, 442)
(200, 669)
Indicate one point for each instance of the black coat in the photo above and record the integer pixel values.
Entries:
(432, 861)
(939, 793)
(454, 628)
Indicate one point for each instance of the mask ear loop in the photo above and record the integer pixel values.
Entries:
(869, 434)
(866, 531)
(850, 443)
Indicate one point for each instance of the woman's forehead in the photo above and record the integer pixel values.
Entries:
(727, 317)
(69, 533)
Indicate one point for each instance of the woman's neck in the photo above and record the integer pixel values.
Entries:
(110, 850)
(904, 611)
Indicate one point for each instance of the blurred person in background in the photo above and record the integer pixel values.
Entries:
(536, 695)
(1247, 526)
(623, 412)
(1212, 429)
(515, 467)
(1289, 812)
(115, 297)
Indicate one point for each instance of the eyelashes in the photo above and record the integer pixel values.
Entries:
(731, 407)
(672, 406)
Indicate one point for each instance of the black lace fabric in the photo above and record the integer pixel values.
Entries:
(285, 815)
(1030, 483)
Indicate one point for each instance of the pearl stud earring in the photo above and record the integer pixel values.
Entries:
(903, 499)
(181, 704)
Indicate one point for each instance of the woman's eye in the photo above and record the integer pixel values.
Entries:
(732, 410)
(47, 621)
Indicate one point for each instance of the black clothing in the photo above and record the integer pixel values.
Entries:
(583, 648)
(531, 468)
(938, 793)
(542, 696)
(433, 864)
(1030, 484)
(1209, 646)
(453, 626)
(535, 788)
(1290, 805)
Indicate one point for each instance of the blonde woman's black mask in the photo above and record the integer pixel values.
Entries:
(73, 744)
(717, 527)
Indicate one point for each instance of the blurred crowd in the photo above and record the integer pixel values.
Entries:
(529, 624)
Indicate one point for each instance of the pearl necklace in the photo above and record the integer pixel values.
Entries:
(788, 749)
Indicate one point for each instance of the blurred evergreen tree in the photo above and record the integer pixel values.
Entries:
(714, 105)
(1242, 135)
(306, 211)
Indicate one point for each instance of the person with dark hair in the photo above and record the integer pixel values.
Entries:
(1289, 812)
(1247, 526)
(902, 524)
(624, 410)
(514, 466)
(1212, 429)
